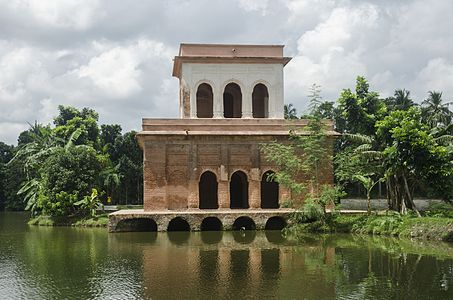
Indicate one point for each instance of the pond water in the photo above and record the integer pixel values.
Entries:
(85, 263)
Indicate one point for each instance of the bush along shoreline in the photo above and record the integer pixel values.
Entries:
(76, 221)
(438, 226)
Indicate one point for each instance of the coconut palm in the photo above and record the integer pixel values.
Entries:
(436, 113)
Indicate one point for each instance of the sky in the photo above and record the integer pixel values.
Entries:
(116, 56)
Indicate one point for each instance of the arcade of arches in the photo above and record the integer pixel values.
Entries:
(232, 101)
(239, 191)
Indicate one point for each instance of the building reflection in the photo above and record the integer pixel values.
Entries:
(226, 265)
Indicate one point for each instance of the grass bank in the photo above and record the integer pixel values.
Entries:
(427, 227)
(98, 221)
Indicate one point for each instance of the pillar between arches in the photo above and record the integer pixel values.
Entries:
(223, 194)
(254, 193)
(193, 199)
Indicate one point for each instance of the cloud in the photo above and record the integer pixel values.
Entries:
(117, 57)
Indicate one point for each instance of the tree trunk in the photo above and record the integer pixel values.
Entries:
(409, 196)
(368, 196)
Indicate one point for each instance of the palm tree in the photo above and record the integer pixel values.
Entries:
(290, 111)
(44, 144)
(403, 100)
(436, 113)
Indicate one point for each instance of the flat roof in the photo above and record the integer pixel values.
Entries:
(228, 53)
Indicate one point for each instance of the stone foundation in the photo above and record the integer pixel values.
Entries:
(195, 217)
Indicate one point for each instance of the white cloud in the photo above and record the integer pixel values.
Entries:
(254, 5)
(116, 57)
(437, 75)
(74, 14)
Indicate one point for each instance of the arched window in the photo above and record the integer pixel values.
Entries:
(269, 191)
(207, 191)
(232, 101)
(239, 190)
(260, 101)
(204, 101)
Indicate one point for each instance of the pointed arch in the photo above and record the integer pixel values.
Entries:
(207, 191)
(205, 101)
(232, 101)
(239, 189)
(260, 101)
(269, 191)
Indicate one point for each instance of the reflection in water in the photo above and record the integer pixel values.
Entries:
(244, 236)
(178, 237)
(56, 263)
(211, 237)
(274, 236)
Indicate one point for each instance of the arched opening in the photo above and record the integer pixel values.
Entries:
(244, 223)
(207, 191)
(204, 101)
(137, 224)
(211, 224)
(239, 190)
(178, 224)
(269, 191)
(260, 101)
(275, 223)
(232, 101)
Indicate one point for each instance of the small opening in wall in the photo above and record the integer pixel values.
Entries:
(178, 224)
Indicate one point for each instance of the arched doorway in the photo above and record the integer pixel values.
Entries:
(239, 190)
(260, 101)
(269, 191)
(204, 101)
(232, 101)
(207, 191)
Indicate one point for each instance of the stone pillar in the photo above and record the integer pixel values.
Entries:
(193, 104)
(192, 171)
(223, 192)
(218, 103)
(255, 188)
(247, 104)
(193, 198)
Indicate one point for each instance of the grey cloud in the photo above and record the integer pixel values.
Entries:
(86, 53)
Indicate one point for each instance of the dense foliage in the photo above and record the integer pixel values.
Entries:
(70, 168)
(404, 148)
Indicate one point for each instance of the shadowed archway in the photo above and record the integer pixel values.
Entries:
(204, 101)
(244, 223)
(275, 223)
(137, 224)
(207, 191)
(211, 224)
(260, 101)
(232, 101)
(178, 224)
(269, 191)
(239, 190)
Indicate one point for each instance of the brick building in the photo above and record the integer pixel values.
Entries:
(231, 101)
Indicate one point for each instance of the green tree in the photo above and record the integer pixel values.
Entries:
(290, 111)
(71, 119)
(6, 153)
(435, 112)
(401, 100)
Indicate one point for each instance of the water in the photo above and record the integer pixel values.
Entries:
(78, 263)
